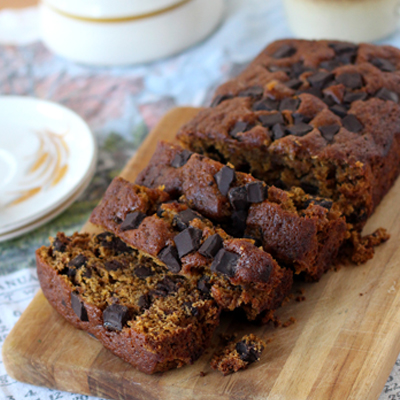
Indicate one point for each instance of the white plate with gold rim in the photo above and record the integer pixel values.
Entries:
(48, 217)
(46, 153)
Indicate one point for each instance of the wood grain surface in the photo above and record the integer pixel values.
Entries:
(17, 3)
(343, 345)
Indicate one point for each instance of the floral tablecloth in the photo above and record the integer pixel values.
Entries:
(121, 105)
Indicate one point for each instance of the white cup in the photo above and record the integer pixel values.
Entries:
(120, 32)
(348, 20)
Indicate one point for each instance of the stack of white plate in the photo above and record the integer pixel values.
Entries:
(47, 159)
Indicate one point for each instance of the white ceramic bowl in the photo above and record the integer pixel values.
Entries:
(351, 20)
(110, 9)
(117, 38)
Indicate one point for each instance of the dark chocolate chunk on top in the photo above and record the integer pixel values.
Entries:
(211, 246)
(352, 124)
(238, 198)
(320, 79)
(299, 129)
(256, 192)
(271, 119)
(383, 64)
(225, 263)
(188, 241)
(181, 159)
(385, 94)
(253, 91)
(169, 256)
(224, 178)
(132, 220)
(115, 317)
(182, 219)
(285, 51)
(328, 132)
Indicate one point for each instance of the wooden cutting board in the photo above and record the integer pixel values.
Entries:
(343, 345)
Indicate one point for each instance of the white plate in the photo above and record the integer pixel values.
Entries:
(41, 221)
(46, 153)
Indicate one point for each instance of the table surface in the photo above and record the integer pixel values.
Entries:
(17, 3)
(120, 105)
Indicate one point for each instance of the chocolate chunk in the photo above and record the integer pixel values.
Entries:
(144, 301)
(133, 220)
(204, 284)
(78, 307)
(211, 246)
(309, 188)
(58, 245)
(219, 99)
(298, 68)
(247, 352)
(224, 178)
(109, 241)
(300, 118)
(78, 261)
(351, 123)
(266, 105)
(328, 132)
(113, 265)
(238, 198)
(341, 48)
(314, 91)
(240, 127)
(330, 64)
(143, 272)
(289, 104)
(87, 273)
(347, 58)
(285, 51)
(191, 308)
(225, 262)
(320, 79)
(339, 110)
(349, 97)
(181, 159)
(278, 131)
(318, 202)
(165, 287)
(350, 80)
(294, 84)
(238, 223)
(188, 241)
(385, 94)
(253, 91)
(271, 119)
(383, 64)
(256, 192)
(276, 68)
(169, 256)
(182, 219)
(299, 129)
(329, 100)
(115, 317)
